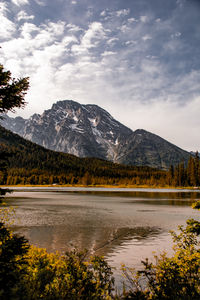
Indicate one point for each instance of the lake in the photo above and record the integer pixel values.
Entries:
(124, 225)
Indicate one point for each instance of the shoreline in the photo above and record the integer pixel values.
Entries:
(103, 186)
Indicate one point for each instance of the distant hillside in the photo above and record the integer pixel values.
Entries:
(90, 131)
(31, 163)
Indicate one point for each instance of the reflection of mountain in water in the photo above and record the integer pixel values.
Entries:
(97, 240)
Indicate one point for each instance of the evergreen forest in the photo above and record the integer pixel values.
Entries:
(30, 164)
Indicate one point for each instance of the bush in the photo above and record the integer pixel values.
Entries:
(176, 277)
(28, 272)
(51, 276)
(13, 250)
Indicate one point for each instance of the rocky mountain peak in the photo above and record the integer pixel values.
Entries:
(90, 131)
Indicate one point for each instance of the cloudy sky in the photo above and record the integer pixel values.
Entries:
(138, 59)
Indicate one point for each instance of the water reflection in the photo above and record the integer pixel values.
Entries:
(141, 194)
(187, 195)
(123, 226)
(100, 241)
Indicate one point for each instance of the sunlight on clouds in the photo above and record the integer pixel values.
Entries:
(112, 41)
(73, 28)
(7, 28)
(131, 20)
(128, 60)
(146, 37)
(103, 13)
(20, 2)
(28, 30)
(35, 47)
(22, 15)
(41, 2)
(56, 29)
(130, 43)
(108, 53)
(122, 12)
(115, 13)
(124, 28)
(68, 40)
(90, 39)
(95, 31)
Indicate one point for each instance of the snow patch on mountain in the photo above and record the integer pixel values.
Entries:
(93, 122)
(76, 128)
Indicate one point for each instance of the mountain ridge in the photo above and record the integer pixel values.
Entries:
(30, 163)
(90, 131)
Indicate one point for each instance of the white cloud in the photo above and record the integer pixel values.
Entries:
(73, 28)
(103, 13)
(131, 20)
(130, 42)
(108, 53)
(95, 32)
(4, 7)
(56, 29)
(69, 39)
(176, 35)
(146, 37)
(22, 15)
(74, 2)
(124, 28)
(90, 39)
(41, 2)
(112, 41)
(28, 29)
(158, 20)
(7, 28)
(122, 12)
(107, 14)
(20, 2)
(34, 44)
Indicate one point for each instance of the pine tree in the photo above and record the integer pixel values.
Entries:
(12, 91)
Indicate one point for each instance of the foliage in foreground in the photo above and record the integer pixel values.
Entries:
(27, 272)
(196, 205)
(176, 277)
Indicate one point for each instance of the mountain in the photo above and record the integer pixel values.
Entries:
(82, 130)
(90, 131)
(29, 163)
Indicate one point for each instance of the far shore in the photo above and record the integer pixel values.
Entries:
(105, 186)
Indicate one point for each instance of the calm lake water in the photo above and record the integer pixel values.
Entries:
(124, 225)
